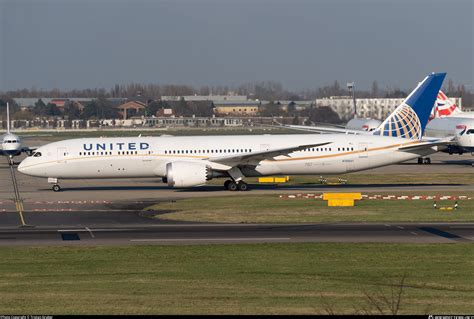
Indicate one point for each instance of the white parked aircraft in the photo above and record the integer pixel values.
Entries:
(12, 143)
(448, 120)
(363, 124)
(192, 161)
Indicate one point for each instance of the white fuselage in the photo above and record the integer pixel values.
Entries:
(148, 156)
(363, 124)
(461, 128)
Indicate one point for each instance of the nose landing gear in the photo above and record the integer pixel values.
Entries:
(55, 187)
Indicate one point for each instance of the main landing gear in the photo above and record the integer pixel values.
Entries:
(236, 183)
(236, 186)
(425, 160)
(56, 188)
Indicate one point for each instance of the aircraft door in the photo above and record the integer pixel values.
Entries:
(264, 147)
(62, 152)
(363, 150)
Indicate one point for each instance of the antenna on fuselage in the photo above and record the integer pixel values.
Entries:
(8, 118)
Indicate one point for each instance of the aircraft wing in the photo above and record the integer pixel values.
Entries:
(324, 129)
(255, 157)
(34, 136)
(26, 149)
(327, 125)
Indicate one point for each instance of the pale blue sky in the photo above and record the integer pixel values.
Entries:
(302, 44)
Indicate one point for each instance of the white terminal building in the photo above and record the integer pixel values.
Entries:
(376, 108)
(214, 98)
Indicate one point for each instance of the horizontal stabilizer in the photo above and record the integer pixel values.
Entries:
(426, 145)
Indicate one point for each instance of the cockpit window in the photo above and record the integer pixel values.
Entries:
(471, 131)
(37, 154)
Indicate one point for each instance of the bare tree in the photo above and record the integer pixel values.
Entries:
(384, 303)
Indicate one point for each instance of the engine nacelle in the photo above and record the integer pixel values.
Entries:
(187, 174)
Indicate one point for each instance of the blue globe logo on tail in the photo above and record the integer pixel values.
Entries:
(403, 123)
(410, 118)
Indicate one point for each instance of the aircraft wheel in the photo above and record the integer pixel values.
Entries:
(243, 186)
(56, 188)
(420, 160)
(226, 184)
(427, 160)
(232, 186)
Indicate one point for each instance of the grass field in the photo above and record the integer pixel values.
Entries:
(272, 209)
(386, 178)
(237, 279)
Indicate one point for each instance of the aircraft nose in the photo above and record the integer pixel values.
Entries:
(23, 167)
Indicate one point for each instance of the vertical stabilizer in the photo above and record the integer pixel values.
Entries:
(444, 107)
(410, 118)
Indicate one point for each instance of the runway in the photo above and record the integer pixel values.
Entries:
(136, 230)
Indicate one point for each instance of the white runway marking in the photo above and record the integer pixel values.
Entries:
(401, 227)
(58, 210)
(95, 230)
(207, 239)
(413, 233)
(90, 232)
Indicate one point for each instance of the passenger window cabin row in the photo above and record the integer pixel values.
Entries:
(218, 151)
(327, 149)
(108, 153)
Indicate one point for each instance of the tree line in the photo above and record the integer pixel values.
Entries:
(101, 107)
(262, 90)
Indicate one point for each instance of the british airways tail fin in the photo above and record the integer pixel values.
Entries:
(410, 118)
(444, 107)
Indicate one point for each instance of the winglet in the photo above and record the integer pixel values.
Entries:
(410, 118)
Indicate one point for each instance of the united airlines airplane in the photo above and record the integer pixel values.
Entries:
(192, 161)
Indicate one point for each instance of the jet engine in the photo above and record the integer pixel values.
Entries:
(187, 174)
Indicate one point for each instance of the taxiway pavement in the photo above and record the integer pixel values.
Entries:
(153, 232)
(99, 212)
